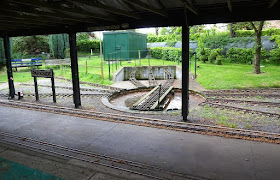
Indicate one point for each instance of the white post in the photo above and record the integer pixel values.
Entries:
(139, 54)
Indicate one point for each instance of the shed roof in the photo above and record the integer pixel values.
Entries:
(31, 17)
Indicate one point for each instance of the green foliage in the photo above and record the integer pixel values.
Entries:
(85, 46)
(30, 45)
(167, 53)
(240, 55)
(58, 44)
(151, 39)
(202, 53)
(213, 54)
(82, 36)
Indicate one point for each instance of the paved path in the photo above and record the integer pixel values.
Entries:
(199, 155)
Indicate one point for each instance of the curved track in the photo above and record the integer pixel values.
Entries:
(158, 123)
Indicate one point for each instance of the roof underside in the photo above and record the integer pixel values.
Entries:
(32, 17)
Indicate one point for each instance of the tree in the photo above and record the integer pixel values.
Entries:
(58, 44)
(30, 45)
(258, 33)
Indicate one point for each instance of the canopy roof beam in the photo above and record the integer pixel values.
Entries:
(229, 3)
(190, 6)
(99, 5)
(62, 9)
(147, 7)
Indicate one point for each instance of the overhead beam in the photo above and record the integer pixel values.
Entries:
(189, 6)
(147, 7)
(107, 8)
(23, 9)
(61, 9)
(229, 3)
(272, 3)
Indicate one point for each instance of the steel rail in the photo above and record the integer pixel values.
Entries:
(166, 124)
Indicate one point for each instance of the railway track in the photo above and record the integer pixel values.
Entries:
(244, 110)
(263, 103)
(132, 167)
(258, 91)
(241, 95)
(62, 95)
(70, 88)
(158, 123)
(93, 84)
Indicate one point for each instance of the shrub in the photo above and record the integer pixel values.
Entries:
(151, 39)
(240, 55)
(167, 53)
(213, 54)
(203, 53)
(86, 45)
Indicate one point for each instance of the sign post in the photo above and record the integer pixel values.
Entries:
(46, 74)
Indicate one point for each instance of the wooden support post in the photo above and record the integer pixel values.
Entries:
(36, 89)
(9, 66)
(74, 69)
(185, 71)
(53, 87)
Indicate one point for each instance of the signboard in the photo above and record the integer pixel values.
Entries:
(42, 73)
(45, 74)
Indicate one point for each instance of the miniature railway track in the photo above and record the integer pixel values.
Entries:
(62, 95)
(244, 110)
(93, 84)
(158, 123)
(240, 95)
(149, 101)
(137, 168)
(263, 103)
(70, 88)
(256, 91)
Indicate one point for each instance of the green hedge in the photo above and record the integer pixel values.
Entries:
(151, 39)
(85, 46)
(166, 53)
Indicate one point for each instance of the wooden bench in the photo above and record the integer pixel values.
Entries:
(26, 62)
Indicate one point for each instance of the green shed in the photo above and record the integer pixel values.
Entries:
(124, 45)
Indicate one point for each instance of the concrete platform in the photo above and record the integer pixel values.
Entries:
(198, 155)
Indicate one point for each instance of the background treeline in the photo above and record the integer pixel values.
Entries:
(47, 46)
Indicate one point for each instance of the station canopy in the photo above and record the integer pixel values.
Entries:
(32, 17)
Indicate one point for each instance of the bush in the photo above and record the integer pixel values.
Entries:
(240, 55)
(85, 46)
(203, 53)
(151, 39)
(213, 54)
(166, 53)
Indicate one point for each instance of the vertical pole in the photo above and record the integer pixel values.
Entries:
(60, 64)
(139, 55)
(86, 68)
(9, 66)
(109, 70)
(36, 89)
(101, 56)
(74, 69)
(185, 71)
(178, 60)
(149, 54)
(195, 65)
(53, 87)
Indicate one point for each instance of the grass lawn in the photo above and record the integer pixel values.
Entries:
(93, 71)
(240, 76)
(210, 76)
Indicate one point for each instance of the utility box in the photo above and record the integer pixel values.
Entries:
(124, 45)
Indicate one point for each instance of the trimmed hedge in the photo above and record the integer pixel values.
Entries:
(166, 53)
(85, 46)
(151, 39)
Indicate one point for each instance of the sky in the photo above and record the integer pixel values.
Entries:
(221, 27)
